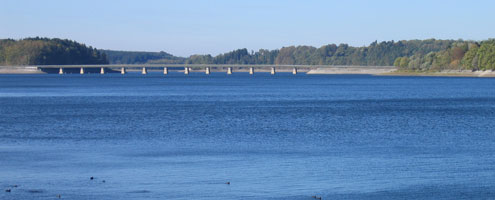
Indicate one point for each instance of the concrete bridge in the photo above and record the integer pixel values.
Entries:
(206, 68)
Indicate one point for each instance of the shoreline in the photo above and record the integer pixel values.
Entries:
(375, 71)
(387, 71)
(23, 70)
(444, 73)
(371, 70)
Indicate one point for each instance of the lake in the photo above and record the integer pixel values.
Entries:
(271, 136)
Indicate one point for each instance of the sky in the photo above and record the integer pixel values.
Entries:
(186, 27)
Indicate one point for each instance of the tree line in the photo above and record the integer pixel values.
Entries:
(141, 57)
(461, 55)
(45, 51)
(416, 55)
(376, 54)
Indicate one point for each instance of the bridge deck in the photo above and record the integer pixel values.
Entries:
(207, 65)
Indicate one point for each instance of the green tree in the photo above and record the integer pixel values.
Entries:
(404, 62)
(470, 59)
(486, 55)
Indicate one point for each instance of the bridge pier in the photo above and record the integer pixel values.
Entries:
(85, 69)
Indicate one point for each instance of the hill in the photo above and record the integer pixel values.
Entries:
(376, 54)
(409, 55)
(45, 51)
(141, 57)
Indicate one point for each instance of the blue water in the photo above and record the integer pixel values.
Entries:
(271, 137)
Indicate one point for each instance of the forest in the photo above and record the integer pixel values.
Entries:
(141, 57)
(460, 55)
(410, 55)
(376, 54)
(45, 51)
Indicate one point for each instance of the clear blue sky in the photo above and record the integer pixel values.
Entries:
(185, 27)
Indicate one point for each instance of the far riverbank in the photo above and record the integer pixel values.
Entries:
(452, 73)
(370, 70)
(387, 71)
(20, 70)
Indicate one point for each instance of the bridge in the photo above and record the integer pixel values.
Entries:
(207, 68)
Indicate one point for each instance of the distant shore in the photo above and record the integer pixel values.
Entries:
(20, 70)
(379, 71)
(374, 70)
(452, 73)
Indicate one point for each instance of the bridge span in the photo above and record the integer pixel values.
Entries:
(206, 68)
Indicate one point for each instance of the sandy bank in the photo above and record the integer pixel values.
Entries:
(390, 71)
(20, 70)
(461, 73)
(353, 70)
